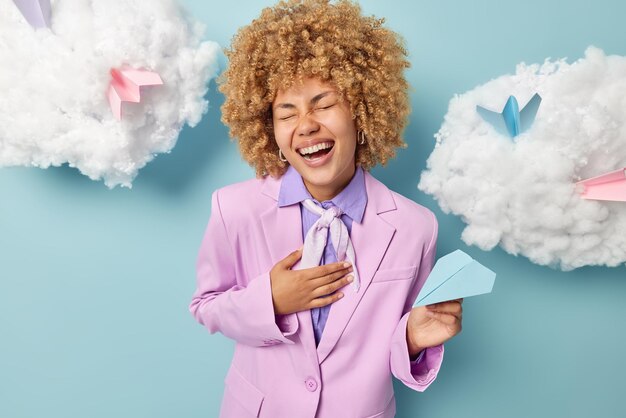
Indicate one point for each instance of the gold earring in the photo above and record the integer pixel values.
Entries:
(361, 136)
(281, 156)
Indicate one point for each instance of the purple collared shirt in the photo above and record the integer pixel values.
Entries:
(351, 200)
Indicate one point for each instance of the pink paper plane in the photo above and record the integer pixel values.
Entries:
(609, 186)
(125, 85)
(36, 12)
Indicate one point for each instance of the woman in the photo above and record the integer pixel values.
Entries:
(316, 96)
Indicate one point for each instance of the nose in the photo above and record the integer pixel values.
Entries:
(307, 125)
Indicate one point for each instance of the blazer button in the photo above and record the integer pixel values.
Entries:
(311, 384)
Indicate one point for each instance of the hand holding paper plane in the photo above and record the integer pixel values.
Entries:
(456, 275)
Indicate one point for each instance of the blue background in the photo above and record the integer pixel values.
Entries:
(95, 283)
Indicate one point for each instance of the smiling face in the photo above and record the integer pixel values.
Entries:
(317, 135)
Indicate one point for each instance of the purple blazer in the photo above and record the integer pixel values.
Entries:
(276, 369)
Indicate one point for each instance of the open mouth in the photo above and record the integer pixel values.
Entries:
(316, 151)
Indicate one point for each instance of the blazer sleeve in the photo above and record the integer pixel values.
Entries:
(419, 374)
(221, 302)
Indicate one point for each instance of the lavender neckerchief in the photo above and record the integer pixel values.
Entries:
(315, 240)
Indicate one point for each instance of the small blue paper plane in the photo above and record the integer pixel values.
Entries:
(456, 275)
(511, 120)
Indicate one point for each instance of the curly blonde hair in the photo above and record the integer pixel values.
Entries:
(298, 39)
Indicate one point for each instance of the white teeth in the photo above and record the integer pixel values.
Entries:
(315, 148)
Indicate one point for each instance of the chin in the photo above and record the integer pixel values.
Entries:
(318, 179)
(326, 178)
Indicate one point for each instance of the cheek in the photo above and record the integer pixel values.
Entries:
(341, 126)
(282, 137)
(346, 133)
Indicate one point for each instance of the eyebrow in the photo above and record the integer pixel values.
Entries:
(314, 100)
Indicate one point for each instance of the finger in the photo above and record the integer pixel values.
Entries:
(451, 307)
(439, 304)
(445, 318)
(330, 278)
(454, 309)
(328, 288)
(342, 268)
(326, 300)
(291, 259)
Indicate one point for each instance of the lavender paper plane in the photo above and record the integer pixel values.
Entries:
(512, 121)
(36, 12)
(609, 186)
(456, 275)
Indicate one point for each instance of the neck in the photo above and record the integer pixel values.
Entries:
(327, 192)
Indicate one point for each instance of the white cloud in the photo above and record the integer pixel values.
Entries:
(520, 193)
(54, 108)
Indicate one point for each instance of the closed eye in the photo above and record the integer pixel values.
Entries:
(325, 107)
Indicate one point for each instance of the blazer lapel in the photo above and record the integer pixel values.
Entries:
(370, 239)
(282, 227)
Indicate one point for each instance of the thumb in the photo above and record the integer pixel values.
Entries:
(292, 258)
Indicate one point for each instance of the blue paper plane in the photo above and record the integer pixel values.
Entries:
(512, 121)
(456, 275)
